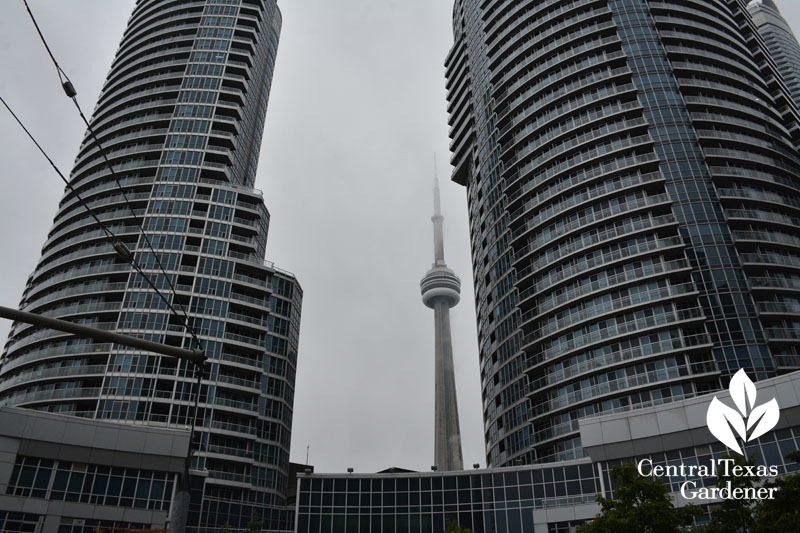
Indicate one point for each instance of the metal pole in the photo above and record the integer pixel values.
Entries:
(196, 356)
(180, 507)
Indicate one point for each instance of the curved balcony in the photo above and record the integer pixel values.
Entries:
(90, 393)
(49, 374)
(52, 353)
(589, 240)
(237, 430)
(770, 237)
(773, 282)
(583, 340)
(590, 164)
(629, 302)
(536, 136)
(252, 386)
(583, 196)
(72, 274)
(724, 105)
(723, 46)
(608, 258)
(589, 217)
(762, 258)
(616, 359)
(536, 69)
(159, 17)
(779, 308)
(523, 28)
(754, 133)
(70, 311)
(44, 334)
(583, 74)
(549, 302)
(660, 377)
(97, 161)
(88, 253)
(535, 155)
(556, 36)
(246, 407)
(782, 334)
(100, 287)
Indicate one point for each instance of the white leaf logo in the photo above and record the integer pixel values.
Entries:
(720, 419)
(764, 417)
(741, 387)
(723, 420)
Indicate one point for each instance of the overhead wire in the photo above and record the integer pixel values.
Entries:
(71, 93)
(119, 247)
(61, 74)
(108, 232)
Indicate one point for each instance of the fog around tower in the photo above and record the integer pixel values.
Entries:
(356, 112)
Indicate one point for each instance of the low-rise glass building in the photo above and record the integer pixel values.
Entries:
(544, 498)
(78, 475)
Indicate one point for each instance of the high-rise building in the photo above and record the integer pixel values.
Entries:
(441, 290)
(780, 41)
(180, 120)
(633, 185)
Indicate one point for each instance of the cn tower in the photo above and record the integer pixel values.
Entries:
(440, 291)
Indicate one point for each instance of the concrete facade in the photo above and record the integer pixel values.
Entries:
(67, 444)
(673, 426)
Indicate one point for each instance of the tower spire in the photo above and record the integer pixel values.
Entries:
(440, 291)
(438, 221)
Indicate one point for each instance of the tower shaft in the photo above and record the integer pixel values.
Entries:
(447, 438)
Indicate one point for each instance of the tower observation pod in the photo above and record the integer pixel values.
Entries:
(441, 290)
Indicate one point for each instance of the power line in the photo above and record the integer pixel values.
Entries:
(71, 93)
(119, 247)
(108, 232)
(61, 74)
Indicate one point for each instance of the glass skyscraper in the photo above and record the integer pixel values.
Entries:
(780, 41)
(633, 184)
(180, 119)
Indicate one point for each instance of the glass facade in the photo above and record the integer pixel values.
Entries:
(556, 496)
(633, 187)
(180, 120)
(34, 477)
(483, 501)
(551, 498)
(780, 41)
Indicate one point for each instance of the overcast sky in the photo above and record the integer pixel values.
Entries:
(356, 113)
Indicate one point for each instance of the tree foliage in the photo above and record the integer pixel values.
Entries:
(782, 513)
(254, 525)
(454, 527)
(733, 515)
(642, 505)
